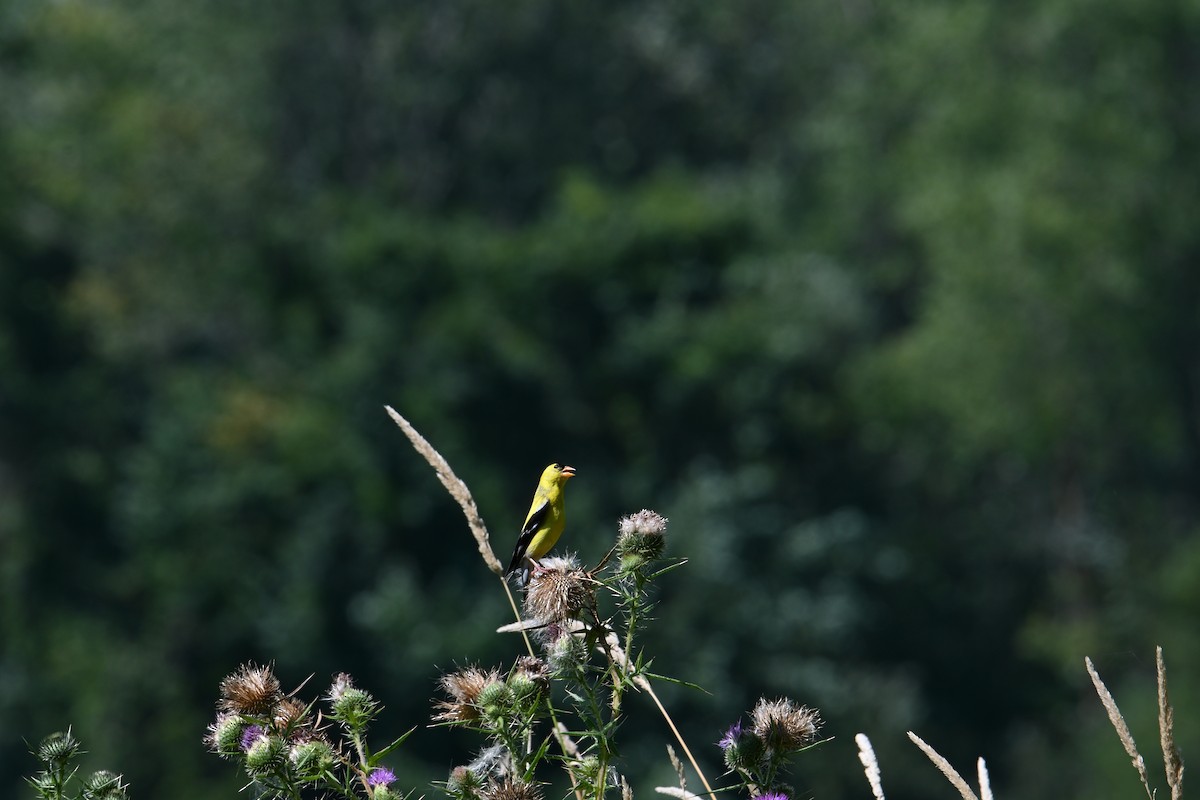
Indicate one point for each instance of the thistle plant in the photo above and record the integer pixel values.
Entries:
(291, 750)
(56, 780)
(586, 624)
(760, 752)
(587, 665)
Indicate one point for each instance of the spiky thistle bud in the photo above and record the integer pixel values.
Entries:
(463, 689)
(311, 759)
(350, 705)
(45, 784)
(265, 754)
(559, 590)
(641, 540)
(529, 681)
(464, 783)
(251, 690)
(784, 726)
(568, 654)
(224, 735)
(104, 785)
(587, 770)
(496, 701)
(58, 748)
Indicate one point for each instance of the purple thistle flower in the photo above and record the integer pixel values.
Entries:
(250, 735)
(381, 776)
(773, 796)
(731, 736)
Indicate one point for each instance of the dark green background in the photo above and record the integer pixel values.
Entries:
(892, 308)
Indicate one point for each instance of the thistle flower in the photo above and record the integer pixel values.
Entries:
(644, 523)
(640, 540)
(464, 689)
(559, 591)
(252, 690)
(250, 735)
(381, 776)
(772, 796)
(742, 748)
(784, 726)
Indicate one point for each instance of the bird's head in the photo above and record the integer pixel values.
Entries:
(558, 473)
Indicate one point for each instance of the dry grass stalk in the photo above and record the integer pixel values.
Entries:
(1166, 731)
(675, 791)
(1119, 725)
(678, 765)
(866, 754)
(941, 763)
(455, 486)
(985, 781)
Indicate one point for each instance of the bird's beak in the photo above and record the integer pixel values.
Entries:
(568, 472)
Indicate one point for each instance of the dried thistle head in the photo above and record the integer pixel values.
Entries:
(291, 715)
(558, 591)
(784, 726)
(464, 688)
(251, 690)
(509, 789)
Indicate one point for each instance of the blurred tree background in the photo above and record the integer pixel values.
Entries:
(893, 309)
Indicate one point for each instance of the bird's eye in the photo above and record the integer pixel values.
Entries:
(558, 466)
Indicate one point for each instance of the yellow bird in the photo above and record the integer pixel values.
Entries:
(545, 521)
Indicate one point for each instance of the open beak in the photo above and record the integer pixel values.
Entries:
(568, 472)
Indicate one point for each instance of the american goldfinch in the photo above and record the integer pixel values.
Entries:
(544, 523)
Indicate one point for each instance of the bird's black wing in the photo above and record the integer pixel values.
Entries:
(531, 526)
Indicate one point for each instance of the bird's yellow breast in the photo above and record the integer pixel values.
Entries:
(547, 535)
